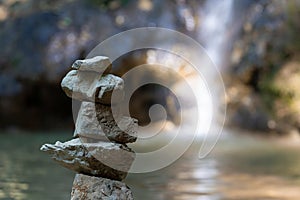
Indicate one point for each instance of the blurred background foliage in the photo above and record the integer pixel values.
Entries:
(40, 40)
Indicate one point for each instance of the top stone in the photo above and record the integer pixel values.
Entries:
(99, 64)
(92, 87)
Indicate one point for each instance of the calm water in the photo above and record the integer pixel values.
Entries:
(239, 168)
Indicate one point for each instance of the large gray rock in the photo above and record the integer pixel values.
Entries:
(104, 128)
(99, 64)
(91, 86)
(126, 133)
(101, 159)
(87, 124)
(96, 188)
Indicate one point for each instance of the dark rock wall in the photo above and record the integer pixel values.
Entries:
(40, 40)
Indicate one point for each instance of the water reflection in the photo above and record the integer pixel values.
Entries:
(239, 168)
(249, 186)
(187, 178)
(13, 190)
(10, 186)
(26, 173)
(198, 183)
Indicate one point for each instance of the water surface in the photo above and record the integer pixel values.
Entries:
(238, 168)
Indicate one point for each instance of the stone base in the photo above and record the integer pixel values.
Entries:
(94, 188)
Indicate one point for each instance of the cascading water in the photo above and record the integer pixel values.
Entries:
(213, 34)
(214, 30)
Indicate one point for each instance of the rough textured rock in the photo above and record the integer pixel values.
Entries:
(127, 133)
(87, 187)
(99, 64)
(87, 124)
(101, 159)
(90, 86)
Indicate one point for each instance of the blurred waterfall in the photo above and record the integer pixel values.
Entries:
(203, 101)
(215, 29)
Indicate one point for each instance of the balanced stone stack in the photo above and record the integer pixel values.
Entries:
(98, 151)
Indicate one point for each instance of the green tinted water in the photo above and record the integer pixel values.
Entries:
(239, 168)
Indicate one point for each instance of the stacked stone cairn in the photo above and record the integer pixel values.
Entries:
(98, 152)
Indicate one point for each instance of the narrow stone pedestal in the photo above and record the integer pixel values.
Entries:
(97, 188)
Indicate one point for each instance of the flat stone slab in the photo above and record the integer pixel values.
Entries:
(126, 133)
(99, 64)
(101, 159)
(91, 86)
(96, 188)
